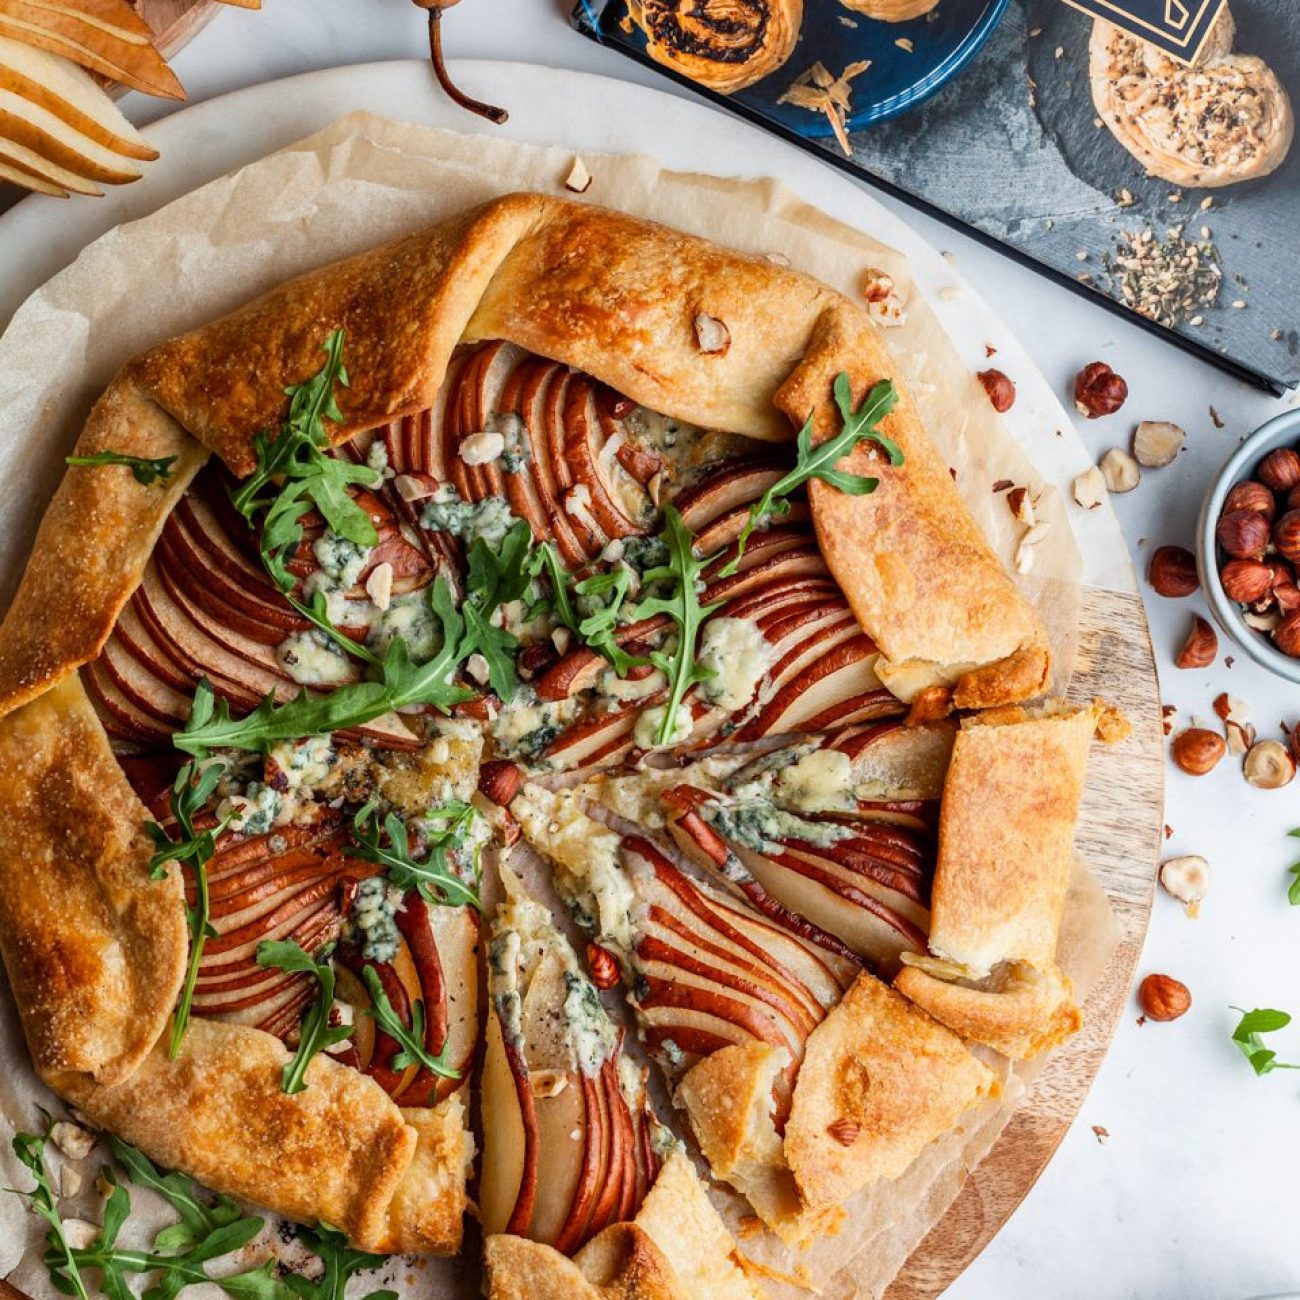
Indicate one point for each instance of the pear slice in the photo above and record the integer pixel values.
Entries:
(107, 36)
(44, 134)
(31, 180)
(19, 155)
(60, 87)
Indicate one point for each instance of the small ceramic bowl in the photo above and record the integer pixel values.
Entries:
(1281, 431)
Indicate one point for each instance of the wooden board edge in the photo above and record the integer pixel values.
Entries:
(1126, 867)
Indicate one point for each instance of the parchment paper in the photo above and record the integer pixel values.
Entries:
(365, 180)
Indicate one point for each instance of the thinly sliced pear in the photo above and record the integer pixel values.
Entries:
(62, 88)
(132, 60)
(14, 153)
(30, 180)
(45, 135)
(505, 1136)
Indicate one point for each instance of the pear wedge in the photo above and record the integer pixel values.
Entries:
(107, 36)
(60, 87)
(44, 134)
(25, 159)
(30, 180)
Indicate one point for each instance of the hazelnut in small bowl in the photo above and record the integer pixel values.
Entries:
(1248, 546)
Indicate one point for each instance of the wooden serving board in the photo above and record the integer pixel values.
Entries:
(175, 22)
(1120, 836)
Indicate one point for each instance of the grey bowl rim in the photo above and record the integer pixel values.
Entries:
(1283, 428)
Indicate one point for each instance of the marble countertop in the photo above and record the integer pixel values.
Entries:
(1192, 1193)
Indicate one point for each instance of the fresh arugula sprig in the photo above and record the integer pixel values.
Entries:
(402, 684)
(341, 1262)
(820, 461)
(1293, 893)
(204, 1235)
(30, 1150)
(603, 595)
(315, 1033)
(682, 604)
(294, 473)
(144, 470)
(387, 842)
(1263, 1060)
(495, 578)
(198, 1221)
(193, 787)
(410, 1040)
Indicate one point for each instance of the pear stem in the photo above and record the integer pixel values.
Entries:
(497, 115)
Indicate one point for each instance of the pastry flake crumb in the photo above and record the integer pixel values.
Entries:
(817, 90)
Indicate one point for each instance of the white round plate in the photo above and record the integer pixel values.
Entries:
(550, 106)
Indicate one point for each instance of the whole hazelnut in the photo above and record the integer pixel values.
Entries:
(1162, 997)
(1287, 595)
(1244, 534)
(500, 780)
(1098, 390)
(1280, 470)
(1197, 750)
(1286, 536)
(1201, 646)
(1293, 498)
(1286, 635)
(1001, 391)
(1246, 581)
(1172, 571)
(1269, 765)
(1249, 495)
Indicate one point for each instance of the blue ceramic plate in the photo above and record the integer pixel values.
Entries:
(942, 43)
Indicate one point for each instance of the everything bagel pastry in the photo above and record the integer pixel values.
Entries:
(1226, 120)
(335, 594)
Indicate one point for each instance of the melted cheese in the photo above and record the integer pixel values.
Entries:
(739, 655)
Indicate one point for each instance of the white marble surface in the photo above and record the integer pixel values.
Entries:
(1193, 1193)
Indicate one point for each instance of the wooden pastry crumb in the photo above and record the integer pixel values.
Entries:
(820, 92)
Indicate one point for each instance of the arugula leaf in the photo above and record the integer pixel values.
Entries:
(294, 473)
(145, 471)
(682, 605)
(410, 1040)
(820, 461)
(30, 1150)
(403, 683)
(316, 1032)
(1293, 893)
(604, 594)
(434, 875)
(197, 1220)
(494, 579)
(545, 559)
(1249, 1043)
(340, 1261)
(203, 1234)
(193, 787)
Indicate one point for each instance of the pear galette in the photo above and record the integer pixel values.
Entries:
(544, 529)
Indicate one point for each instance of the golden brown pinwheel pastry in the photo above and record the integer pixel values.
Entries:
(583, 336)
(891, 11)
(722, 44)
(1225, 120)
(1006, 851)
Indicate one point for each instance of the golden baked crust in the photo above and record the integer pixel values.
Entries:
(880, 1081)
(1006, 851)
(676, 1248)
(335, 1152)
(94, 949)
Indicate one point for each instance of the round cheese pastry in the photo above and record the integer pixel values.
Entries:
(722, 44)
(891, 11)
(1226, 120)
